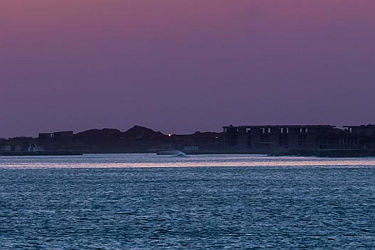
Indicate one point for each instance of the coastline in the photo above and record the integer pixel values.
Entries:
(296, 153)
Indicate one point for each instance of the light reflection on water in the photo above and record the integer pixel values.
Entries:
(155, 161)
(145, 201)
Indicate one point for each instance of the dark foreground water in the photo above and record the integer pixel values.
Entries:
(60, 202)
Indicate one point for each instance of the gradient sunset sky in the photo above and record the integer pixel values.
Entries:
(184, 65)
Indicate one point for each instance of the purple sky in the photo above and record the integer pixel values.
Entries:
(186, 65)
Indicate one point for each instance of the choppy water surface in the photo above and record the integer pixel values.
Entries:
(149, 201)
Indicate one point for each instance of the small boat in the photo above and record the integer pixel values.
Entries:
(172, 153)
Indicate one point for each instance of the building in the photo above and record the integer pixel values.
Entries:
(56, 135)
(279, 138)
(360, 137)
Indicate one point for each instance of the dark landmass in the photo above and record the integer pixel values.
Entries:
(135, 140)
(302, 140)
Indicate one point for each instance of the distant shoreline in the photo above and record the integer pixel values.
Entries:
(321, 154)
(273, 140)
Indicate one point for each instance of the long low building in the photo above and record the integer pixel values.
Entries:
(279, 139)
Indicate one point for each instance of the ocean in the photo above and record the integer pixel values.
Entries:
(146, 201)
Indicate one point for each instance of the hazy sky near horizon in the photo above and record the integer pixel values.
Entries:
(184, 65)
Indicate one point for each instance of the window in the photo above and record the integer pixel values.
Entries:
(284, 130)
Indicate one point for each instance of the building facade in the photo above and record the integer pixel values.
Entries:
(280, 138)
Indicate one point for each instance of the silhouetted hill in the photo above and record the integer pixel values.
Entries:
(135, 140)
(138, 132)
(99, 133)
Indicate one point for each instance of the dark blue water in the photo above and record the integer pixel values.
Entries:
(201, 207)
